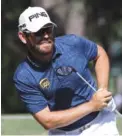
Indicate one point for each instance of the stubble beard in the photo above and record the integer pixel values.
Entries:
(42, 52)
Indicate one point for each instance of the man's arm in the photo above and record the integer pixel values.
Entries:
(55, 119)
(102, 68)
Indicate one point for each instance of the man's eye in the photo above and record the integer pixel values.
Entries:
(42, 31)
(38, 33)
(50, 30)
(47, 30)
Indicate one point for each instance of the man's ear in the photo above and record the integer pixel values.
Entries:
(22, 37)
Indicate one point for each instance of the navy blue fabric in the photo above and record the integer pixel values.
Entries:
(63, 92)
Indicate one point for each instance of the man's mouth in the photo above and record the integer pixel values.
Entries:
(42, 42)
(45, 42)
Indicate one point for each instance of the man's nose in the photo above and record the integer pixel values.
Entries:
(46, 35)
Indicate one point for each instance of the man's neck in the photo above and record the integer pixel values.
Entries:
(41, 58)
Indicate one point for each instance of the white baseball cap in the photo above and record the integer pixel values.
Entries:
(33, 19)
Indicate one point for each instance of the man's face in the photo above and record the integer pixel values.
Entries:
(42, 41)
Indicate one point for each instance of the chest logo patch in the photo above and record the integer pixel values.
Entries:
(44, 83)
(64, 70)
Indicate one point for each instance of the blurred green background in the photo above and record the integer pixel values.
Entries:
(98, 20)
(26, 125)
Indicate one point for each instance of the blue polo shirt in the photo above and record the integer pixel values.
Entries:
(40, 85)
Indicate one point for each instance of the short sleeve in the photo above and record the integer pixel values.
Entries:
(88, 47)
(29, 94)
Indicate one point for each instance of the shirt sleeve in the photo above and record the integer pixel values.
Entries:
(88, 47)
(29, 94)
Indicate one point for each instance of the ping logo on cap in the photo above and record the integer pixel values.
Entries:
(37, 15)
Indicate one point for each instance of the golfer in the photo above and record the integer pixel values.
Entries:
(54, 94)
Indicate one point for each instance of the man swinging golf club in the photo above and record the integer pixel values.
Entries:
(57, 98)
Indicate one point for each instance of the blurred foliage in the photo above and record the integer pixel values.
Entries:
(103, 25)
(103, 18)
(11, 54)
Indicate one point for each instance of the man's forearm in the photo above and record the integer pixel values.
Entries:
(56, 119)
(102, 68)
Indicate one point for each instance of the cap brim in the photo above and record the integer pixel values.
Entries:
(37, 25)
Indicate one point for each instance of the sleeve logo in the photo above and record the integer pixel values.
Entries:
(44, 83)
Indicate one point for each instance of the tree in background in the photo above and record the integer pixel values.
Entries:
(104, 24)
(12, 53)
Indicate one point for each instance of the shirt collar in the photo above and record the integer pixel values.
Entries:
(57, 52)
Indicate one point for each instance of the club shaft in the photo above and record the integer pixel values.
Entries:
(86, 82)
(116, 111)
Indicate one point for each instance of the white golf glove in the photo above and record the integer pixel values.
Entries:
(111, 106)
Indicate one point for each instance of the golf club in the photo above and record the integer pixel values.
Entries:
(112, 101)
(67, 70)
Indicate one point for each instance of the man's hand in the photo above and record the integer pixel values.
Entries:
(100, 99)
